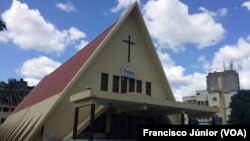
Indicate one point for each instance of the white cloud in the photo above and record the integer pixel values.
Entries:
(222, 12)
(174, 27)
(4, 37)
(246, 4)
(239, 53)
(186, 84)
(82, 44)
(122, 5)
(67, 7)
(244, 79)
(32, 81)
(205, 10)
(36, 68)
(204, 63)
(181, 84)
(28, 29)
(74, 34)
(196, 81)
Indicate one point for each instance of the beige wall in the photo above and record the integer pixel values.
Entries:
(114, 56)
(213, 99)
(23, 124)
(110, 60)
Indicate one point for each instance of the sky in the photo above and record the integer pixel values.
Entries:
(192, 37)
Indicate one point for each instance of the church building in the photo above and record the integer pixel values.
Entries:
(105, 91)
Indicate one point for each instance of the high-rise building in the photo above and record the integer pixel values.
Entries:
(230, 80)
(211, 96)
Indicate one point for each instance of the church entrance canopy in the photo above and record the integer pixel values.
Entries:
(133, 102)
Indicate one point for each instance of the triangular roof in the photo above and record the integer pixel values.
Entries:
(58, 80)
(64, 77)
(55, 82)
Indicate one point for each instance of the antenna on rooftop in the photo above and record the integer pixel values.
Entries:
(224, 65)
(231, 65)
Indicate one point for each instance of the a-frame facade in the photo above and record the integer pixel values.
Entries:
(119, 72)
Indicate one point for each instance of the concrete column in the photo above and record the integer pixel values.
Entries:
(75, 123)
(144, 117)
(108, 123)
(92, 122)
(184, 118)
(189, 121)
(213, 120)
(222, 100)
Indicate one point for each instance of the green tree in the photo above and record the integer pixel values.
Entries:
(3, 93)
(2, 25)
(2, 97)
(12, 95)
(240, 106)
(194, 121)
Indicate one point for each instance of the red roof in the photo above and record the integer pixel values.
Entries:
(55, 82)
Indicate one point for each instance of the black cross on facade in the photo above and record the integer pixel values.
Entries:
(129, 43)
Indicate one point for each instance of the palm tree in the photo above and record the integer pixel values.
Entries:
(14, 97)
(2, 25)
(3, 93)
(11, 95)
(2, 97)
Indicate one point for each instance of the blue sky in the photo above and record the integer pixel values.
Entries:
(191, 37)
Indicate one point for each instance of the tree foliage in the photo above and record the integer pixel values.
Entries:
(12, 94)
(2, 25)
(240, 106)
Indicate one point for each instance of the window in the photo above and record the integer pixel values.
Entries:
(206, 103)
(5, 109)
(139, 86)
(214, 99)
(123, 84)
(115, 84)
(190, 101)
(202, 103)
(148, 88)
(193, 101)
(104, 82)
(131, 85)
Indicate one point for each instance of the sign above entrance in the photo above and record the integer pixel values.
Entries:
(128, 72)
